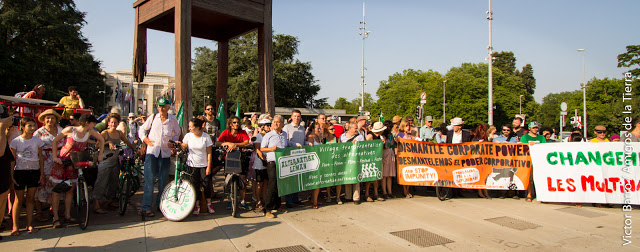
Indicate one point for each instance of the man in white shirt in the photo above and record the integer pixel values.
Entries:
(156, 133)
(296, 134)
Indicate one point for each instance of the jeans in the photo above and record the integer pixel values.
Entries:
(154, 167)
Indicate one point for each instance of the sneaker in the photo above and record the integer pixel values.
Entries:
(357, 202)
(339, 201)
(210, 208)
(196, 210)
(245, 205)
(269, 215)
(369, 199)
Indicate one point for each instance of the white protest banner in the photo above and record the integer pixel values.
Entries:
(587, 172)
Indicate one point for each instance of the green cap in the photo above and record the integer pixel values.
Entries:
(163, 101)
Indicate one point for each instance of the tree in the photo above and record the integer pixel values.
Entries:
(630, 59)
(294, 84)
(505, 61)
(204, 79)
(41, 42)
(604, 105)
(527, 79)
(353, 106)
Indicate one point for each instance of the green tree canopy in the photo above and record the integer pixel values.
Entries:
(41, 42)
(294, 84)
(631, 59)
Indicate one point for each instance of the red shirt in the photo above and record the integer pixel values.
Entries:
(338, 129)
(240, 137)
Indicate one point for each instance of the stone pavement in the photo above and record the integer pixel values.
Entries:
(466, 224)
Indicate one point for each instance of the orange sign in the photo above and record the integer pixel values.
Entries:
(474, 165)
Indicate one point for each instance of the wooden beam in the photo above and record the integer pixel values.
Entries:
(265, 57)
(183, 59)
(223, 73)
(139, 66)
(154, 9)
(241, 9)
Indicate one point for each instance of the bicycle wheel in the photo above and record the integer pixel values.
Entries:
(443, 192)
(125, 187)
(177, 200)
(83, 204)
(234, 197)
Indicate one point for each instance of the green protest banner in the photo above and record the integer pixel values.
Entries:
(310, 167)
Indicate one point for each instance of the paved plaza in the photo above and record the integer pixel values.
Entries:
(420, 223)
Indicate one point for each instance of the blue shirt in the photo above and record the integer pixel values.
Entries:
(274, 139)
(502, 139)
(426, 133)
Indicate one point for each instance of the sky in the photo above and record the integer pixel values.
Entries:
(408, 34)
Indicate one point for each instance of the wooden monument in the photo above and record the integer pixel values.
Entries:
(219, 20)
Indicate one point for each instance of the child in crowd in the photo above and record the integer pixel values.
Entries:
(28, 172)
(199, 160)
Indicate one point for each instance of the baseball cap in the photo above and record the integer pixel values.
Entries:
(163, 101)
(534, 125)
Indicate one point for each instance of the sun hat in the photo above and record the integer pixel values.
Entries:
(362, 118)
(429, 119)
(163, 101)
(264, 121)
(378, 127)
(49, 112)
(534, 125)
(457, 121)
(132, 115)
(396, 119)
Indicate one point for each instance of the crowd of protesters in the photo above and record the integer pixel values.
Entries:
(31, 158)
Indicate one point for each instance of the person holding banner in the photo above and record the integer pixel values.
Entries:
(276, 139)
(388, 161)
(506, 136)
(313, 138)
(405, 133)
(259, 161)
(230, 139)
(532, 138)
(352, 191)
(330, 138)
(375, 134)
(601, 134)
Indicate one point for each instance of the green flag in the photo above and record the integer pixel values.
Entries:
(381, 117)
(180, 115)
(221, 117)
(237, 109)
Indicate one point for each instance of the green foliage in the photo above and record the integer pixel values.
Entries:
(527, 79)
(352, 107)
(604, 105)
(466, 94)
(505, 61)
(294, 84)
(630, 59)
(41, 42)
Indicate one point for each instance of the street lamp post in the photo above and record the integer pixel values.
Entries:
(521, 104)
(365, 34)
(490, 47)
(584, 94)
(444, 101)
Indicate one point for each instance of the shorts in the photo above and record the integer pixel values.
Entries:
(26, 179)
(262, 175)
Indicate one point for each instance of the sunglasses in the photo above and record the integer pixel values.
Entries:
(235, 122)
(331, 129)
(600, 131)
(209, 109)
(506, 130)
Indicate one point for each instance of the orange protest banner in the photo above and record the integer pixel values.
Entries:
(474, 165)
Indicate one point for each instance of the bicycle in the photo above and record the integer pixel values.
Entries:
(442, 192)
(81, 160)
(179, 196)
(233, 167)
(129, 180)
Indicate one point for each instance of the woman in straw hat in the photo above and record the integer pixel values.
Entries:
(49, 130)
